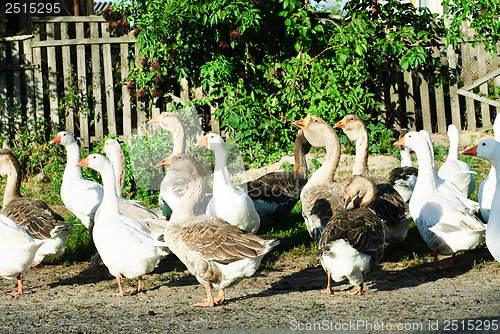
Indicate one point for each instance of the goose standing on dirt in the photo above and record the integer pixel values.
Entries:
(388, 204)
(489, 150)
(126, 248)
(170, 189)
(487, 187)
(217, 253)
(321, 196)
(353, 241)
(445, 223)
(33, 215)
(228, 203)
(81, 196)
(404, 178)
(454, 170)
(17, 249)
(152, 222)
(275, 194)
(446, 186)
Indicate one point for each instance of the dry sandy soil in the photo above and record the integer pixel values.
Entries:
(285, 298)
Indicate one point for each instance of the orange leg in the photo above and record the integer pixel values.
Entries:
(360, 291)
(139, 284)
(220, 297)
(122, 292)
(436, 267)
(329, 290)
(210, 300)
(19, 287)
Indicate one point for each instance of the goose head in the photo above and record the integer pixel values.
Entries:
(167, 120)
(212, 141)
(352, 125)
(8, 162)
(113, 148)
(414, 140)
(181, 164)
(314, 129)
(95, 161)
(487, 149)
(64, 138)
(358, 192)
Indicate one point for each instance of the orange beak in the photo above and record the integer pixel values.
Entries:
(203, 142)
(83, 162)
(341, 124)
(303, 123)
(102, 150)
(155, 120)
(165, 162)
(400, 142)
(56, 140)
(471, 151)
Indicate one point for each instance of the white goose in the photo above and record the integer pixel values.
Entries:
(228, 203)
(489, 149)
(443, 220)
(217, 253)
(152, 222)
(321, 196)
(32, 214)
(488, 187)
(81, 196)
(17, 249)
(404, 178)
(169, 195)
(354, 239)
(126, 248)
(454, 170)
(446, 186)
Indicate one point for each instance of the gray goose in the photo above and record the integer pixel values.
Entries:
(353, 240)
(321, 196)
(216, 252)
(389, 205)
(32, 214)
(275, 194)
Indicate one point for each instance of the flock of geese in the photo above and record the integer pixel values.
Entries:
(213, 231)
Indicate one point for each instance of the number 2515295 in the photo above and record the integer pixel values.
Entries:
(33, 8)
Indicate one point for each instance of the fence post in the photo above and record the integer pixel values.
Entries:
(67, 77)
(30, 83)
(52, 76)
(96, 84)
(108, 84)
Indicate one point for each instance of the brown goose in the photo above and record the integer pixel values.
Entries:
(320, 196)
(217, 253)
(389, 205)
(275, 194)
(32, 214)
(353, 240)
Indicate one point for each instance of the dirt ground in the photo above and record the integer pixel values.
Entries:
(285, 298)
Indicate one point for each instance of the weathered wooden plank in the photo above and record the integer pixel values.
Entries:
(38, 77)
(52, 76)
(53, 19)
(410, 102)
(482, 99)
(15, 38)
(394, 105)
(467, 75)
(96, 84)
(82, 86)
(67, 77)
(127, 112)
(483, 88)
(425, 104)
(440, 109)
(30, 92)
(85, 41)
(140, 109)
(4, 115)
(16, 89)
(483, 78)
(452, 58)
(108, 84)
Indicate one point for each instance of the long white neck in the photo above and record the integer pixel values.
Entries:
(179, 139)
(109, 200)
(453, 152)
(326, 173)
(361, 161)
(406, 157)
(426, 171)
(222, 181)
(72, 158)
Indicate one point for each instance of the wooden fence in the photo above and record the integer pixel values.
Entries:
(71, 65)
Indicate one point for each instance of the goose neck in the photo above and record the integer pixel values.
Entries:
(179, 139)
(186, 207)
(109, 200)
(361, 161)
(326, 173)
(427, 173)
(300, 161)
(453, 152)
(13, 187)
(72, 158)
(222, 181)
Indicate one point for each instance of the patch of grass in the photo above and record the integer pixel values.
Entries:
(164, 277)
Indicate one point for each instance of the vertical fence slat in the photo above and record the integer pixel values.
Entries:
(82, 86)
(67, 77)
(425, 104)
(410, 102)
(4, 115)
(96, 84)
(467, 76)
(52, 76)
(30, 93)
(127, 114)
(482, 57)
(440, 110)
(38, 75)
(141, 117)
(108, 84)
(454, 102)
(16, 88)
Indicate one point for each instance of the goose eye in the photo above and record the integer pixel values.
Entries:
(483, 144)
